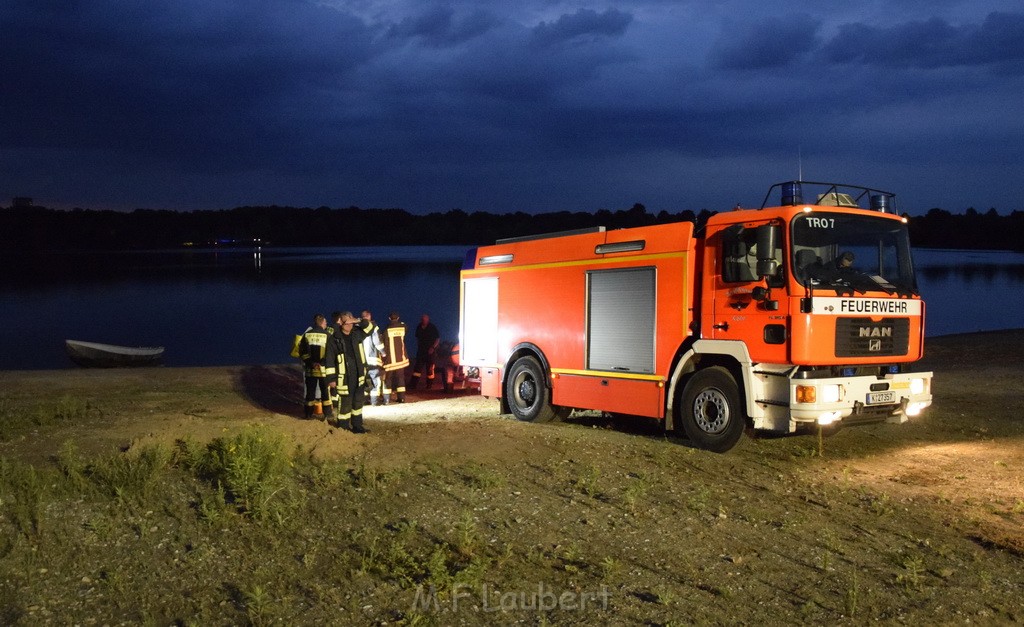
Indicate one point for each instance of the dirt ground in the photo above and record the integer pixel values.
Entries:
(929, 513)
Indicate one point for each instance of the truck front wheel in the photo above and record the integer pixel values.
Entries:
(527, 393)
(710, 410)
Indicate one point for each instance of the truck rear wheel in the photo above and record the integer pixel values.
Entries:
(527, 393)
(710, 411)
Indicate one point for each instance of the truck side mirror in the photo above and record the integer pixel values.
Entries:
(767, 244)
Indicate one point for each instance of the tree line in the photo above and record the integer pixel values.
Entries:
(36, 228)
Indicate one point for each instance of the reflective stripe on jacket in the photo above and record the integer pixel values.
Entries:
(373, 349)
(354, 340)
(313, 350)
(395, 357)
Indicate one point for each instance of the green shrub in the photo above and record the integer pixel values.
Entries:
(73, 467)
(131, 476)
(188, 453)
(16, 419)
(71, 408)
(21, 495)
(253, 469)
(12, 420)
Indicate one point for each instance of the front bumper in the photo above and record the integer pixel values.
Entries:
(894, 398)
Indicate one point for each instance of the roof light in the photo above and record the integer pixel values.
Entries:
(620, 247)
(495, 259)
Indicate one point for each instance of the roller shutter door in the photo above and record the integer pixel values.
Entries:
(620, 320)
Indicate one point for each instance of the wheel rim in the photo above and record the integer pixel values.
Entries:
(526, 391)
(711, 411)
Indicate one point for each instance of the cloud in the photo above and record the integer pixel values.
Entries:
(432, 104)
(582, 26)
(997, 42)
(769, 43)
(440, 27)
(200, 83)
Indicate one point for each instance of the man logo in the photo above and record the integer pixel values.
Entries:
(874, 346)
(874, 332)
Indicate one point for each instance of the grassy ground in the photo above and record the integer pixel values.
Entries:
(195, 496)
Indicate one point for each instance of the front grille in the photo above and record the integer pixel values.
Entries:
(863, 337)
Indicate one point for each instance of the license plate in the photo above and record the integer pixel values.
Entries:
(876, 398)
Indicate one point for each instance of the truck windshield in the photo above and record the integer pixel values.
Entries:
(852, 253)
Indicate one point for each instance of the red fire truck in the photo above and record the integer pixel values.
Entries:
(778, 318)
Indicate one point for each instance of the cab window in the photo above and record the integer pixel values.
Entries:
(739, 257)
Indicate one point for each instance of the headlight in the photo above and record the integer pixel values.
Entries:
(829, 394)
(917, 386)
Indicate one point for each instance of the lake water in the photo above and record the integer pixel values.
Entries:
(242, 306)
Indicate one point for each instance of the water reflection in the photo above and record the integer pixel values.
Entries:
(968, 290)
(214, 307)
(241, 306)
(970, 266)
(974, 272)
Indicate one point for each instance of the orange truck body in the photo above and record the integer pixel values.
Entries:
(700, 330)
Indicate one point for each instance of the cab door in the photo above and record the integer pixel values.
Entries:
(747, 307)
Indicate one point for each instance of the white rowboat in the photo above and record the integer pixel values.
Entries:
(95, 355)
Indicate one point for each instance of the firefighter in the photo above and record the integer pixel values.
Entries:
(395, 358)
(315, 352)
(448, 363)
(427, 339)
(350, 385)
(373, 348)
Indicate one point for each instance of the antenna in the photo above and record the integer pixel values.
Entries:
(800, 162)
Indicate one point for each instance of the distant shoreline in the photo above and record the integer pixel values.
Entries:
(938, 348)
(32, 228)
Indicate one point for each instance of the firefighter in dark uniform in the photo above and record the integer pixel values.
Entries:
(448, 364)
(427, 339)
(395, 358)
(315, 350)
(351, 368)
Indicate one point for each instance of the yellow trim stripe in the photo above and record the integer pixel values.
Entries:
(608, 375)
(581, 262)
(591, 373)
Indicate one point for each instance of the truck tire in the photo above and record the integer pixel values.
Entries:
(710, 411)
(527, 393)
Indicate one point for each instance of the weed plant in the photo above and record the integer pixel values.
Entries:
(251, 470)
(246, 529)
(16, 420)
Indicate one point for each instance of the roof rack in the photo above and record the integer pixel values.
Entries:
(834, 195)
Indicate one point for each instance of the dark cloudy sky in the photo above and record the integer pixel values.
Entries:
(505, 105)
